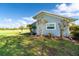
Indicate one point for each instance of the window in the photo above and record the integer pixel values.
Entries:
(50, 26)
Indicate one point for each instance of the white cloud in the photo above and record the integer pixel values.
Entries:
(68, 8)
(62, 7)
(7, 20)
(22, 22)
(70, 14)
(71, 10)
(11, 23)
(29, 20)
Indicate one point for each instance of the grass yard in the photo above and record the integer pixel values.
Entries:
(12, 32)
(13, 43)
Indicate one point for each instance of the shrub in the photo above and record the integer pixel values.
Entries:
(75, 35)
(75, 32)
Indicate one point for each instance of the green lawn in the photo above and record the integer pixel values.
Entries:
(12, 32)
(13, 43)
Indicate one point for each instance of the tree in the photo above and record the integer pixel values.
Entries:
(41, 22)
(62, 25)
(30, 27)
(21, 28)
(75, 31)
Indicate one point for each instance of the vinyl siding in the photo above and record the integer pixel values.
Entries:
(51, 19)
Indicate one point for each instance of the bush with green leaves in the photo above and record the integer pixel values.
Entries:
(75, 31)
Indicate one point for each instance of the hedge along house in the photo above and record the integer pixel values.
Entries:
(56, 25)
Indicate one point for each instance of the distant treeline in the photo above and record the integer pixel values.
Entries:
(13, 28)
(19, 28)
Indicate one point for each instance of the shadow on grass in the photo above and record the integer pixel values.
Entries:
(22, 45)
(13, 45)
(25, 34)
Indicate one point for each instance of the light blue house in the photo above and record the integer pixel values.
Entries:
(50, 23)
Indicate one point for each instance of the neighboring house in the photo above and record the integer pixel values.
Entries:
(50, 23)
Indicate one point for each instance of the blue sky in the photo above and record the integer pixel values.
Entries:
(17, 14)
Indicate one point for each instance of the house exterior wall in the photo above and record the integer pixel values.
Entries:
(51, 19)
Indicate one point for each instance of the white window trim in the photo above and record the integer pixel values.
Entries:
(51, 23)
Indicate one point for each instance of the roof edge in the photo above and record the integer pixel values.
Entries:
(42, 11)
